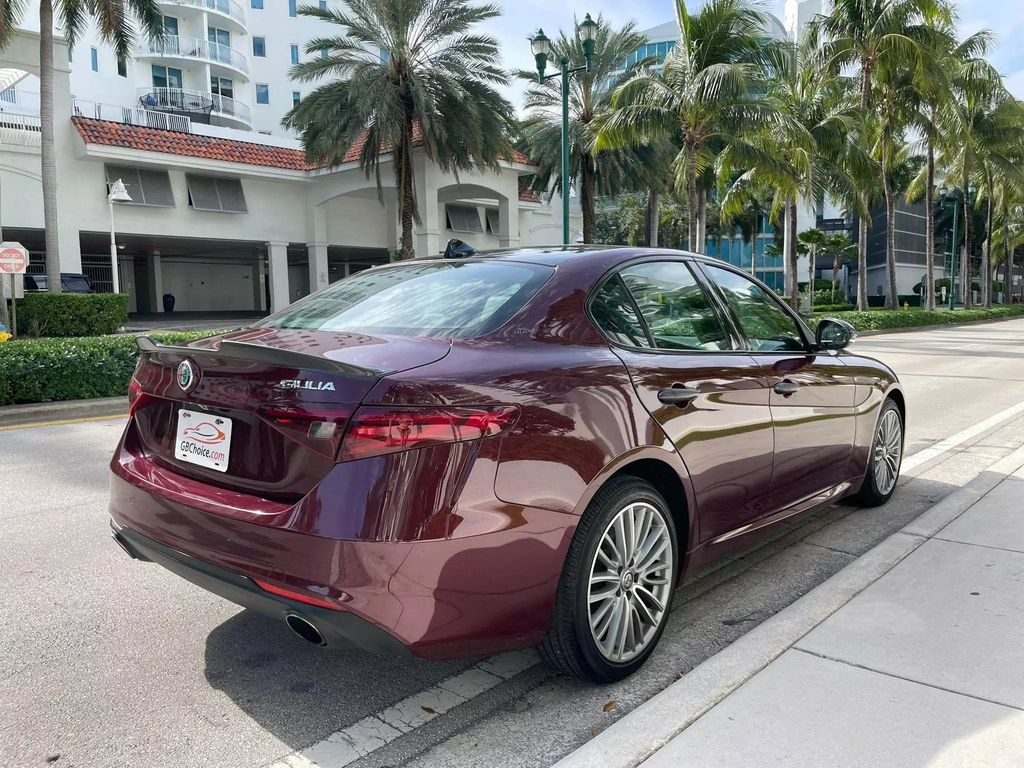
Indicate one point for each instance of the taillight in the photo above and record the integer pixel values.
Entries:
(136, 397)
(377, 429)
(296, 595)
(320, 430)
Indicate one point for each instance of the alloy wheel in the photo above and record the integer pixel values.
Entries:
(630, 582)
(888, 452)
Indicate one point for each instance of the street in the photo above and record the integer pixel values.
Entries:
(105, 661)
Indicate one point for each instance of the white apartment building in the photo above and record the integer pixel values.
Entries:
(226, 214)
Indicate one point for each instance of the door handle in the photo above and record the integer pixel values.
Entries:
(681, 396)
(786, 388)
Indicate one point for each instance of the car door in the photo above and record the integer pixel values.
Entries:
(710, 399)
(813, 393)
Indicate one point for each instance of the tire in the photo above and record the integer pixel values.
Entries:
(571, 645)
(886, 446)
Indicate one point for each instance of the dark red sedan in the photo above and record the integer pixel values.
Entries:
(456, 457)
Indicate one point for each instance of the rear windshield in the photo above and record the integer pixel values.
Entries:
(439, 300)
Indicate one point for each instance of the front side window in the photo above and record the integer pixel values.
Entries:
(675, 307)
(762, 320)
(450, 301)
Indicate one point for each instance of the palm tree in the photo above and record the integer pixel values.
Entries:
(708, 92)
(811, 242)
(802, 154)
(404, 67)
(607, 173)
(872, 34)
(113, 22)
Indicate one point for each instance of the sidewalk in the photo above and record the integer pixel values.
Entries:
(924, 666)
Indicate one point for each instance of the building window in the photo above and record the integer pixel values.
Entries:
(259, 46)
(166, 77)
(144, 186)
(170, 26)
(296, 98)
(94, 59)
(292, 10)
(222, 86)
(71, 54)
(462, 218)
(122, 66)
(323, 5)
(295, 53)
(213, 193)
(324, 53)
(493, 221)
(262, 93)
(256, 5)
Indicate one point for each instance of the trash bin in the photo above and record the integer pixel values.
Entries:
(168, 302)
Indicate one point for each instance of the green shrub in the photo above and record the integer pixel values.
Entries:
(834, 308)
(43, 370)
(885, 320)
(829, 297)
(72, 314)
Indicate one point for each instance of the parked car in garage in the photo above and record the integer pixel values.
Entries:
(455, 457)
(71, 282)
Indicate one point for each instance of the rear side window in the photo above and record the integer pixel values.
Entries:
(675, 307)
(438, 300)
(615, 315)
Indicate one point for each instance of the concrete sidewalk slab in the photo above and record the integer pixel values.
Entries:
(948, 616)
(799, 711)
(999, 523)
(61, 412)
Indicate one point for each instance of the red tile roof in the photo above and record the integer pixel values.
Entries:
(212, 148)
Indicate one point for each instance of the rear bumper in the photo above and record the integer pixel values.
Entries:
(338, 628)
(487, 587)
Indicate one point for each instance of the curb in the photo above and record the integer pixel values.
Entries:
(59, 412)
(669, 713)
(937, 326)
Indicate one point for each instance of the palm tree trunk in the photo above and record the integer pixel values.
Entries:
(406, 195)
(653, 217)
(929, 224)
(1007, 264)
(48, 146)
(691, 195)
(892, 299)
(702, 220)
(965, 282)
(793, 289)
(862, 264)
(986, 262)
(587, 197)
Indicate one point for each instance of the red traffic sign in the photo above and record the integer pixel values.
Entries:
(13, 258)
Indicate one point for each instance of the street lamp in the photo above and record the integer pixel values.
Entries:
(118, 194)
(953, 198)
(540, 45)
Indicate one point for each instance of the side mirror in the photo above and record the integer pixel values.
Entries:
(833, 333)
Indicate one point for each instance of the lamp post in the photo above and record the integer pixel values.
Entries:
(118, 194)
(955, 198)
(541, 47)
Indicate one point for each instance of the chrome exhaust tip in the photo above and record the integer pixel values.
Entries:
(304, 629)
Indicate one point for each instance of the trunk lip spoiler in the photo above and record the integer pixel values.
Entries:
(255, 353)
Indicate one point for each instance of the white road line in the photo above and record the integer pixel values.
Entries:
(373, 732)
(944, 446)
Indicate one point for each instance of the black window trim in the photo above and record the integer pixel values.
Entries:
(746, 347)
(725, 318)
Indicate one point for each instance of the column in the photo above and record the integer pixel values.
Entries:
(508, 223)
(277, 260)
(155, 277)
(318, 268)
(427, 236)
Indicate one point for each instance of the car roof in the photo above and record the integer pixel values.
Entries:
(562, 256)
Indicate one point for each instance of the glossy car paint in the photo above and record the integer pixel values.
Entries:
(456, 550)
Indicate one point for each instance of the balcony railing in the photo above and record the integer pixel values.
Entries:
(19, 101)
(195, 48)
(227, 7)
(131, 116)
(193, 102)
(19, 130)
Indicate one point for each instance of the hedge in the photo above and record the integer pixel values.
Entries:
(43, 370)
(71, 314)
(898, 318)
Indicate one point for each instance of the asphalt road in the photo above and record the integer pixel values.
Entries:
(109, 662)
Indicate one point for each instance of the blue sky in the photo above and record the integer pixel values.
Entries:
(522, 17)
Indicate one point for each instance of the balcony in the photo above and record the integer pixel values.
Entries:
(198, 106)
(197, 49)
(229, 9)
(116, 113)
